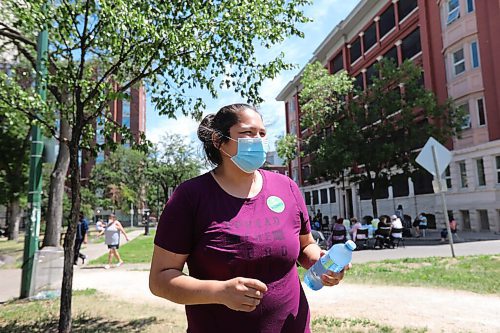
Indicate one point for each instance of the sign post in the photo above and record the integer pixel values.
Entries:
(435, 158)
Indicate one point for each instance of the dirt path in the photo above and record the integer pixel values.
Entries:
(438, 310)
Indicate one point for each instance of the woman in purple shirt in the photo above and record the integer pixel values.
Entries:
(241, 231)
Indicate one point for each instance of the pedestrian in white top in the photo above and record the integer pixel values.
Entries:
(112, 239)
(396, 224)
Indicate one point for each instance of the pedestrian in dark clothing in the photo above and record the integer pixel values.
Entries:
(81, 237)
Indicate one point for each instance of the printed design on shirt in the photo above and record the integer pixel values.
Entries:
(275, 204)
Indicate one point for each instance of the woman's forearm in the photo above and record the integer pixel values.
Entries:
(309, 255)
(183, 289)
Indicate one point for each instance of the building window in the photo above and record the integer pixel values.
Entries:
(315, 197)
(358, 83)
(470, 6)
(481, 115)
(400, 186)
(481, 178)
(333, 197)
(324, 196)
(447, 177)
(453, 11)
(370, 36)
(387, 21)
(405, 8)
(370, 73)
(483, 219)
(355, 50)
(474, 53)
(306, 172)
(458, 62)
(307, 198)
(337, 63)
(497, 159)
(392, 54)
(411, 45)
(463, 174)
(465, 108)
(100, 157)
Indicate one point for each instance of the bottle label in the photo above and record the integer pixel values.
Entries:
(326, 261)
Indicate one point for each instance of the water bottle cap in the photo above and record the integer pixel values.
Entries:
(350, 245)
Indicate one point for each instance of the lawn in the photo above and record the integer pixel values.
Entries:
(139, 250)
(471, 273)
(109, 315)
(13, 250)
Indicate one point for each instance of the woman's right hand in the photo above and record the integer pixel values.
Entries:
(242, 294)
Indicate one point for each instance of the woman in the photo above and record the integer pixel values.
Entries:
(112, 239)
(240, 230)
(338, 233)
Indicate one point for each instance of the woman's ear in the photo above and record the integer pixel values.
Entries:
(216, 139)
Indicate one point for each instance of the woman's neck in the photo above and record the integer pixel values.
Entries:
(236, 182)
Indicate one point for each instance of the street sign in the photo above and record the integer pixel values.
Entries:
(426, 160)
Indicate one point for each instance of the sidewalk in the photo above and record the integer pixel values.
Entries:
(10, 279)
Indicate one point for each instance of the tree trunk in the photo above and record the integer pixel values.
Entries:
(374, 204)
(373, 196)
(14, 218)
(56, 193)
(65, 320)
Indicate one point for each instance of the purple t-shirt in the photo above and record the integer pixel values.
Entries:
(228, 237)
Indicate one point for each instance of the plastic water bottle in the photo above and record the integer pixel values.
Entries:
(337, 257)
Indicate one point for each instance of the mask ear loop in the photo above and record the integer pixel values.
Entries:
(214, 140)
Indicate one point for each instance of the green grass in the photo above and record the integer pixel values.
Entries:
(138, 250)
(92, 312)
(95, 312)
(12, 249)
(329, 324)
(471, 273)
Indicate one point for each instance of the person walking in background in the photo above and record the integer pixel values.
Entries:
(453, 229)
(112, 239)
(241, 230)
(81, 237)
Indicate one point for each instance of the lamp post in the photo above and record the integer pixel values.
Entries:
(35, 175)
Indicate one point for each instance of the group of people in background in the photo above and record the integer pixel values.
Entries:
(111, 230)
(342, 229)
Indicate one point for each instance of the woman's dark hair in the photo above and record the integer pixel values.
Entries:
(219, 123)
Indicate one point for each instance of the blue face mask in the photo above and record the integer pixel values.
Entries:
(251, 154)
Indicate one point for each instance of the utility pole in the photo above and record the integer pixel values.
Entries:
(35, 176)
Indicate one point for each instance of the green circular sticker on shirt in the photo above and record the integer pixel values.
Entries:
(275, 204)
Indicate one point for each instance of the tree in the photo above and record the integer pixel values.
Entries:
(99, 49)
(121, 178)
(287, 147)
(171, 162)
(377, 134)
(14, 145)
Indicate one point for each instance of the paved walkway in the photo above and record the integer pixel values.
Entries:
(10, 279)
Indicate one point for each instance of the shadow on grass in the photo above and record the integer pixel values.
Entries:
(83, 323)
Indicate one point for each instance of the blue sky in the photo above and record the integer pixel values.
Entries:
(326, 14)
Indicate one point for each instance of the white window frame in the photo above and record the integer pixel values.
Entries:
(467, 120)
(471, 6)
(484, 112)
(459, 62)
(497, 161)
(478, 172)
(454, 13)
(463, 175)
(447, 177)
(476, 55)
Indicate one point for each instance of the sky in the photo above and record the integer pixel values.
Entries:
(326, 14)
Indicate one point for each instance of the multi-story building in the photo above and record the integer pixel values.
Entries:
(130, 113)
(453, 41)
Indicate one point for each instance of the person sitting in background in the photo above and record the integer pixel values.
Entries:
(382, 224)
(356, 225)
(334, 239)
(396, 224)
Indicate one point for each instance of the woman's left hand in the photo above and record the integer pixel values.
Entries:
(331, 278)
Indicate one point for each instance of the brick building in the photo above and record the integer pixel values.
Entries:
(130, 113)
(453, 41)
